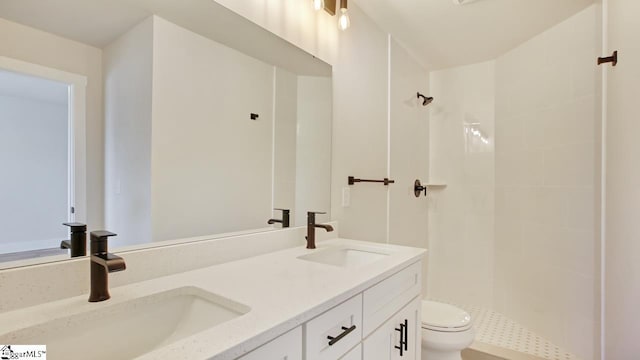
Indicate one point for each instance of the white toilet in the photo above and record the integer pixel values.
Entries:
(446, 331)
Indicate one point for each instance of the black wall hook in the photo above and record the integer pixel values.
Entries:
(613, 59)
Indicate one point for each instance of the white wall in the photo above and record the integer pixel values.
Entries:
(127, 79)
(284, 137)
(623, 176)
(38, 47)
(546, 191)
(461, 218)
(33, 154)
(211, 164)
(360, 128)
(313, 148)
(409, 148)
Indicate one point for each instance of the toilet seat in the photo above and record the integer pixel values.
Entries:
(444, 317)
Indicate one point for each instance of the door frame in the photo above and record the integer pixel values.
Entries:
(77, 173)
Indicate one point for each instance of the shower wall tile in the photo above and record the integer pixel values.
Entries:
(461, 217)
(546, 244)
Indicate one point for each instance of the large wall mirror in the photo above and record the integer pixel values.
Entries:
(208, 123)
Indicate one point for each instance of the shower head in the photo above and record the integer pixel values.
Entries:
(426, 100)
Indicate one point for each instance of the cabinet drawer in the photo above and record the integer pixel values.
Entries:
(387, 297)
(337, 323)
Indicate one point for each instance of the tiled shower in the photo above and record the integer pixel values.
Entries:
(516, 140)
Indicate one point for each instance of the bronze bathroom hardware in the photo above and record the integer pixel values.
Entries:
(311, 228)
(345, 332)
(418, 188)
(404, 338)
(609, 59)
(102, 263)
(426, 99)
(77, 243)
(352, 180)
(286, 214)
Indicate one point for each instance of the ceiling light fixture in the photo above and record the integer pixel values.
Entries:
(343, 21)
(331, 7)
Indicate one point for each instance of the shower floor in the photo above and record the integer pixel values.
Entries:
(494, 328)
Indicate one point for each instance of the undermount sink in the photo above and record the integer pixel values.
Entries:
(346, 256)
(132, 328)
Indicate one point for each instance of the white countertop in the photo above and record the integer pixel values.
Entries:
(281, 290)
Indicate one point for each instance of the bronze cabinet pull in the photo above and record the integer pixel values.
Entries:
(333, 340)
(404, 337)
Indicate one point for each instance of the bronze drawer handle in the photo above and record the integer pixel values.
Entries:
(333, 340)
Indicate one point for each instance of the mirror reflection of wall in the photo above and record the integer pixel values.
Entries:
(302, 160)
(169, 131)
(186, 158)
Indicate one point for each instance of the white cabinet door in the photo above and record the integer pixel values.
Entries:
(355, 354)
(284, 347)
(398, 338)
(384, 299)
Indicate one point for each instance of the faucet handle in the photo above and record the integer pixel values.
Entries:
(76, 226)
(101, 235)
(99, 241)
(311, 216)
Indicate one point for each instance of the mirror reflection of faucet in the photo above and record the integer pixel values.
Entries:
(77, 243)
(286, 214)
(311, 228)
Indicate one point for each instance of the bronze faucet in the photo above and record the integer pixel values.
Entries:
(102, 263)
(77, 242)
(311, 228)
(285, 218)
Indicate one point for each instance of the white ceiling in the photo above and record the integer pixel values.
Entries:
(92, 22)
(31, 87)
(438, 32)
(442, 34)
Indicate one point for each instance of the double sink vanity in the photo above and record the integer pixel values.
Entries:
(204, 133)
(346, 299)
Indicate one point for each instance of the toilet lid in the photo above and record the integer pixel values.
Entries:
(444, 317)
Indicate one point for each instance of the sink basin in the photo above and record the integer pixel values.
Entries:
(133, 328)
(346, 256)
